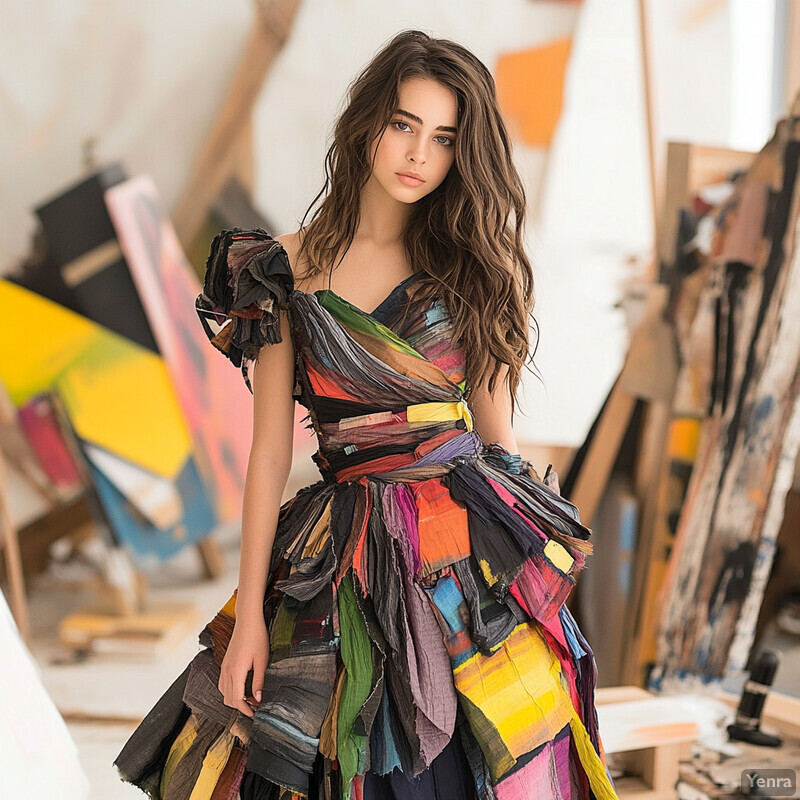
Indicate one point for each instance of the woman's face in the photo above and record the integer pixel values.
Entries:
(420, 138)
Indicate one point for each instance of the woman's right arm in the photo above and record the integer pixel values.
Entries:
(267, 473)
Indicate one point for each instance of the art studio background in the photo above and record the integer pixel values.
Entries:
(658, 142)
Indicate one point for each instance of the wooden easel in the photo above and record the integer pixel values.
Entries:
(228, 139)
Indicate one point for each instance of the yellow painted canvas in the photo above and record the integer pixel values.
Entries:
(118, 395)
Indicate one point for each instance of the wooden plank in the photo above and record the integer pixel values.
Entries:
(244, 168)
(602, 453)
(151, 632)
(651, 364)
(649, 476)
(271, 28)
(211, 556)
(676, 193)
(82, 718)
(792, 77)
(619, 694)
(652, 136)
(661, 771)
(647, 723)
(633, 788)
(9, 543)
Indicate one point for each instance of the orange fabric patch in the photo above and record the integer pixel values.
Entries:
(443, 528)
(326, 388)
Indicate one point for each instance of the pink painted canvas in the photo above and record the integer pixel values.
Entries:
(216, 403)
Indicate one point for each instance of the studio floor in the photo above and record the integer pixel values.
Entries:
(117, 687)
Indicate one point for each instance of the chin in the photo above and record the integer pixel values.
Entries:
(410, 196)
(409, 200)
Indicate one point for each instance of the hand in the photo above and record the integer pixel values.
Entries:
(247, 650)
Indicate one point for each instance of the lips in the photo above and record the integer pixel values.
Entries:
(410, 178)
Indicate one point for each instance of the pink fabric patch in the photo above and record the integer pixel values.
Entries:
(511, 502)
(546, 775)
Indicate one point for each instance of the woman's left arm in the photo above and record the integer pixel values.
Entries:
(491, 412)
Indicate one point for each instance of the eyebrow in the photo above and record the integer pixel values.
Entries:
(415, 118)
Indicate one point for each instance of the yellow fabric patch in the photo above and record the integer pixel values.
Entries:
(558, 556)
(486, 570)
(229, 609)
(595, 770)
(180, 746)
(213, 764)
(318, 537)
(439, 412)
(517, 692)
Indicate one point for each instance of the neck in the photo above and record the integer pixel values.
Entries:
(383, 219)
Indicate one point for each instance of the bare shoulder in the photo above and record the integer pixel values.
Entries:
(291, 243)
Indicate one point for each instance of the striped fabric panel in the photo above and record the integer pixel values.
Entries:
(385, 374)
(427, 330)
(213, 764)
(230, 780)
(451, 608)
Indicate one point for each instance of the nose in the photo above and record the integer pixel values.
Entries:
(416, 153)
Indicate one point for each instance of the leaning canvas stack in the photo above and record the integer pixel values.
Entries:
(749, 442)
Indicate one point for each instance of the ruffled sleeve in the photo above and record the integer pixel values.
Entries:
(248, 280)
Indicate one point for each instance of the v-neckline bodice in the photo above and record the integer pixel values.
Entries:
(320, 293)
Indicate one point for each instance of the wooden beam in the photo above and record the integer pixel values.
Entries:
(603, 449)
(212, 557)
(217, 158)
(652, 137)
(792, 78)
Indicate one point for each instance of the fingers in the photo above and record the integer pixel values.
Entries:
(232, 690)
(242, 706)
(259, 668)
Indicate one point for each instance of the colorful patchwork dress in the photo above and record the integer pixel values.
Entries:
(419, 642)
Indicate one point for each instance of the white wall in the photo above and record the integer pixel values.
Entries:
(711, 85)
(143, 78)
(595, 213)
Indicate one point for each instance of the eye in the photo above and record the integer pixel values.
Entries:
(448, 142)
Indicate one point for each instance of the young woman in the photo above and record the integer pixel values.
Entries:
(399, 627)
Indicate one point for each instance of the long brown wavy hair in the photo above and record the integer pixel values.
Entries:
(465, 237)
